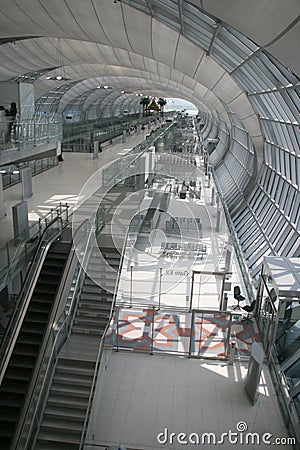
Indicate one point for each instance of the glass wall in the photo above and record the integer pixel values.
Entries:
(278, 319)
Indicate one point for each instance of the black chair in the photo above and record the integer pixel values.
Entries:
(249, 309)
(237, 295)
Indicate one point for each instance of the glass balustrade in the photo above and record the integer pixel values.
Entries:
(23, 134)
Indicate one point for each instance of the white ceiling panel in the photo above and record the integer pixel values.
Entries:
(226, 88)
(260, 20)
(164, 70)
(177, 76)
(86, 18)
(189, 82)
(21, 22)
(79, 52)
(123, 57)
(259, 147)
(252, 126)
(150, 65)
(164, 41)
(137, 61)
(241, 106)
(212, 101)
(61, 14)
(199, 90)
(209, 72)
(187, 56)
(109, 55)
(285, 52)
(139, 31)
(111, 20)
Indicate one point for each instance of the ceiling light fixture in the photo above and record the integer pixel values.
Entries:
(59, 72)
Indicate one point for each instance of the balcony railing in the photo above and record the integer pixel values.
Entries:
(23, 134)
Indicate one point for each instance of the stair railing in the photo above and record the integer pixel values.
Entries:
(58, 330)
(16, 253)
(53, 230)
(99, 359)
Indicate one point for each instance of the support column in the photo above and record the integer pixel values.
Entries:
(219, 218)
(26, 178)
(2, 206)
(20, 219)
(213, 196)
(96, 150)
(124, 137)
(228, 257)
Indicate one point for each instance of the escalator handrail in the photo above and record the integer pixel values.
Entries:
(62, 321)
(16, 321)
(11, 268)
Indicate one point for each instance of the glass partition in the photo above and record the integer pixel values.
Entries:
(24, 134)
(278, 319)
(197, 333)
(16, 253)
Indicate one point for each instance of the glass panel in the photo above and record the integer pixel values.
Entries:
(210, 335)
(288, 331)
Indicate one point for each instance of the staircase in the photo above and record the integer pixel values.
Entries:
(96, 299)
(22, 363)
(65, 410)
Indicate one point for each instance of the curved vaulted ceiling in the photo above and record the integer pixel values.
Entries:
(167, 47)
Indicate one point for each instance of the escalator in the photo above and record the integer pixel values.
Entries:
(21, 365)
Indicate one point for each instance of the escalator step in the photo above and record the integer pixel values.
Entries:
(23, 361)
(43, 289)
(29, 338)
(39, 306)
(18, 374)
(37, 317)
(14, 386)
(6, 430)
(26, 349)
(9, 399)
(37, 328)
(49, 279)
(50, 269)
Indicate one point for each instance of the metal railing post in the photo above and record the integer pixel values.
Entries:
(191, 334)
(192, 292)
(152, 327)
(131, 285)
(159, 292)
(117, 319)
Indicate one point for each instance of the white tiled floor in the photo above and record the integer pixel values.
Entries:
(141, 395)
(62, 183)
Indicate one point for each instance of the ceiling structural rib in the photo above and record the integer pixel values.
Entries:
(184, 56)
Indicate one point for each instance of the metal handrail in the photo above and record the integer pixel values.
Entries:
(101, 346)
(248, 281)
(41, 354)
(17, 318)
(63, 328)
(95, 377)
(22, 245)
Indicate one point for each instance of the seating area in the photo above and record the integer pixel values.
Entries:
(238, 297)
